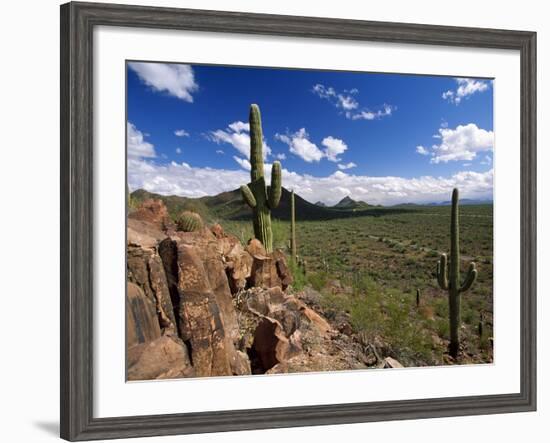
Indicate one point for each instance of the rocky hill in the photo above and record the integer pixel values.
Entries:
(230, 206)
(202, 304)
(350, 204)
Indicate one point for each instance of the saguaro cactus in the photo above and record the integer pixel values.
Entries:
(293, 251)
(448, 277)
(259, 197)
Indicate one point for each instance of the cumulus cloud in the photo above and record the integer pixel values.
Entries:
(344, 166)
(460, 144)
(237, 135)
(181, 133)
(177, 80)
(137, 146)
(346, 102)
(185, 180)
(333, 148)
(178, 150)
(465, 87)
(280, 156)
(299, 144)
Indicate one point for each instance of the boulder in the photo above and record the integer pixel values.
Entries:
(146, 270)
(238, 266)
(255, 248)
(270, 343)
(390, 363)
(165, 357)
(200, 317)
(155, 213)
(144, 234)
(264, 273)
(142, 324)
(283, 272)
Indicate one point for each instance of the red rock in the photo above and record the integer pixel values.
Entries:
(165, 357)
(217, 230)
(201, 318)
(255, 248)
(238, 268)
(146, 270)
(154, 212)
(141, 318)
(270, 343)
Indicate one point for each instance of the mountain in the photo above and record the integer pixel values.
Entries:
(349, 204)
(462, 201)
(230, 206)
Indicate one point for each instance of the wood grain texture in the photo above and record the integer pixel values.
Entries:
(77, 23)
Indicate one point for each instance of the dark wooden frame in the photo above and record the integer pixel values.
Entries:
(77, 24)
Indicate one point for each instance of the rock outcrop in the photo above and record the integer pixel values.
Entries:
(202, 304)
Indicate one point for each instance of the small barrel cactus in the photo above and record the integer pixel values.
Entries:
(189, 221)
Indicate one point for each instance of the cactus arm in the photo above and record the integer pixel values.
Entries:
(248, 196)
(442, 273)
(470, 278)
(274, 192)
(256, 143)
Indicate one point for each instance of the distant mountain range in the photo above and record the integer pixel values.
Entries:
(230, 206)
(462, 201)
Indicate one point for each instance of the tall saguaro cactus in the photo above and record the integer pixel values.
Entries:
(293, 251)
(448, 277)
(260, 198)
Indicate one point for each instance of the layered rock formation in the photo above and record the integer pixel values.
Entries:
(201, 304)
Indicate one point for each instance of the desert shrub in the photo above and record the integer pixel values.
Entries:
(299, 278)
(318, 280)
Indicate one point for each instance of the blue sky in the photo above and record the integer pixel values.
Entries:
(381, 138)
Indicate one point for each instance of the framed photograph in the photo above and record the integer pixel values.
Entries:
(273, 221)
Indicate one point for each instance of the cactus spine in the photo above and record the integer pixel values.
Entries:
(260, 198)
(293, 251)
(448, 277)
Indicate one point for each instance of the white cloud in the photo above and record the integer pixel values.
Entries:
(181, 133)
(299, 144)
(178, 150)
(220, 151)
(237, 135)
(371, 115)
(240, 126)
(465, 88)
(422, 150)
(280, 156)
(344, 166)
(137, 146)
(349, 105)
(334, 147)
(461, 143)
(183, 179)
(243, 162)
(176, 79)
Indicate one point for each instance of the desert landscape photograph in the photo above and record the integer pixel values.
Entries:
(291, 221)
